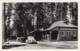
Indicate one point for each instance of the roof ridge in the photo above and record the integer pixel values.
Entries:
(60, 24)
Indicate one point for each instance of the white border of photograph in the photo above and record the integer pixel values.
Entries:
(14, 1)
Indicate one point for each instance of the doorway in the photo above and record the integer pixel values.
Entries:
(54, 35)
(38, 35)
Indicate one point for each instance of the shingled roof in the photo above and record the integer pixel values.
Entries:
(60, 24)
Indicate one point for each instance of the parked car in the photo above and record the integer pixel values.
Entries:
(31, 40)
(21, 39)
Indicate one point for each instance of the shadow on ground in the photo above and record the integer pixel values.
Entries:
(10, 46)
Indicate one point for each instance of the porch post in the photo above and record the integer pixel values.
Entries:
(50, 35)
(58, 37)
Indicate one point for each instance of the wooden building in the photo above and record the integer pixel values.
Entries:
(58, 31)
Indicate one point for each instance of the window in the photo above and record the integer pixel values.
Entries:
(62, 33)
(66, 32)
(74, 33)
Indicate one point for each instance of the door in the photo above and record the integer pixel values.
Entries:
(54, 35)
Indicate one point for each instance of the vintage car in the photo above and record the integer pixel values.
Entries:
(31, 40)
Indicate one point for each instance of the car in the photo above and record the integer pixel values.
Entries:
(31, 40)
